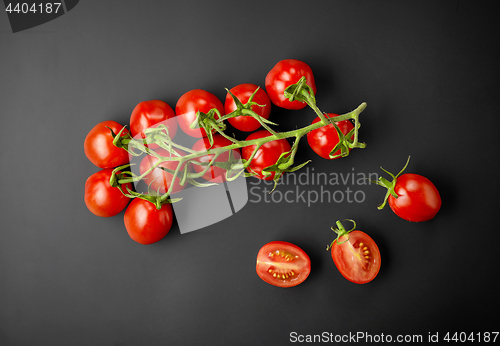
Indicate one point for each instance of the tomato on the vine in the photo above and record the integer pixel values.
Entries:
(412, 197)
(101, 198)
(145, 224)
(266, 155)
(323, 140)
(99, 147)
(282, 75)
(150, 113)
(191, 102)
(214, 174)
(355, 254)
(160, 179)
(283, 264)
(243, 92)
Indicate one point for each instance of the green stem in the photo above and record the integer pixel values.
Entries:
(298, 133)
(341, 232)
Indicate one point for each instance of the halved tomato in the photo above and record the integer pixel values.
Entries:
(355, 254)
(283, 264)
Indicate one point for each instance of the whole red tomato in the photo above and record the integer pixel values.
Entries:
(282, 75)
(191, 102)
(356, 255)
(243, 93)
(411, 196)
(266, 155)
(145, 224)
(99, 148)
(418, 199)
(283, 264)
(149, 113)
(214, 174)
(323, 140)
(101, 198)
(160, 179)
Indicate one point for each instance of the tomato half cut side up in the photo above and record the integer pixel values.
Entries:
(283, 264)
(355, 254)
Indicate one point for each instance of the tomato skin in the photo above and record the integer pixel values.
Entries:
(323, 140)
(159, 179)
(282, 75)
(418, 199)
(272, 264)
(191, 102)
(99, 148)
(243, 93)
(266, 156)
(214, 174)
(145, 224)
(349, 257)
(101, 198)
(149, 113)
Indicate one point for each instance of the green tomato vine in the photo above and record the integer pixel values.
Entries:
(213, 122)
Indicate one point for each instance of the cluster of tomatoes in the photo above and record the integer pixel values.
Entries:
(144, 222)
(279, 263)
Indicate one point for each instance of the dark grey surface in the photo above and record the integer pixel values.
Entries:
(429, 73)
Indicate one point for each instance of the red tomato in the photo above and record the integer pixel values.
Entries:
(243, 93)
(214, 174)
(149, 113)
(283, 264)
(191, 102)
(145, 224)
(323, 140)
(99, 148)
(418, 199)
(159, 179)
(101, 198)
(356, 256)
(266, 156)
(282, 75)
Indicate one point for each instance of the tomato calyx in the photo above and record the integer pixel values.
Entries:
(341, 232)
(120, 175)
(245, 109)
(210, 123)
(390, 185)
(300, 91)
(284, 165)
(119, 140)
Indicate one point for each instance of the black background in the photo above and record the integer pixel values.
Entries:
(428, 71)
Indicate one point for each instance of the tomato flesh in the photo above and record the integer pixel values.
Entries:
(357, 257)
(283, 264)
